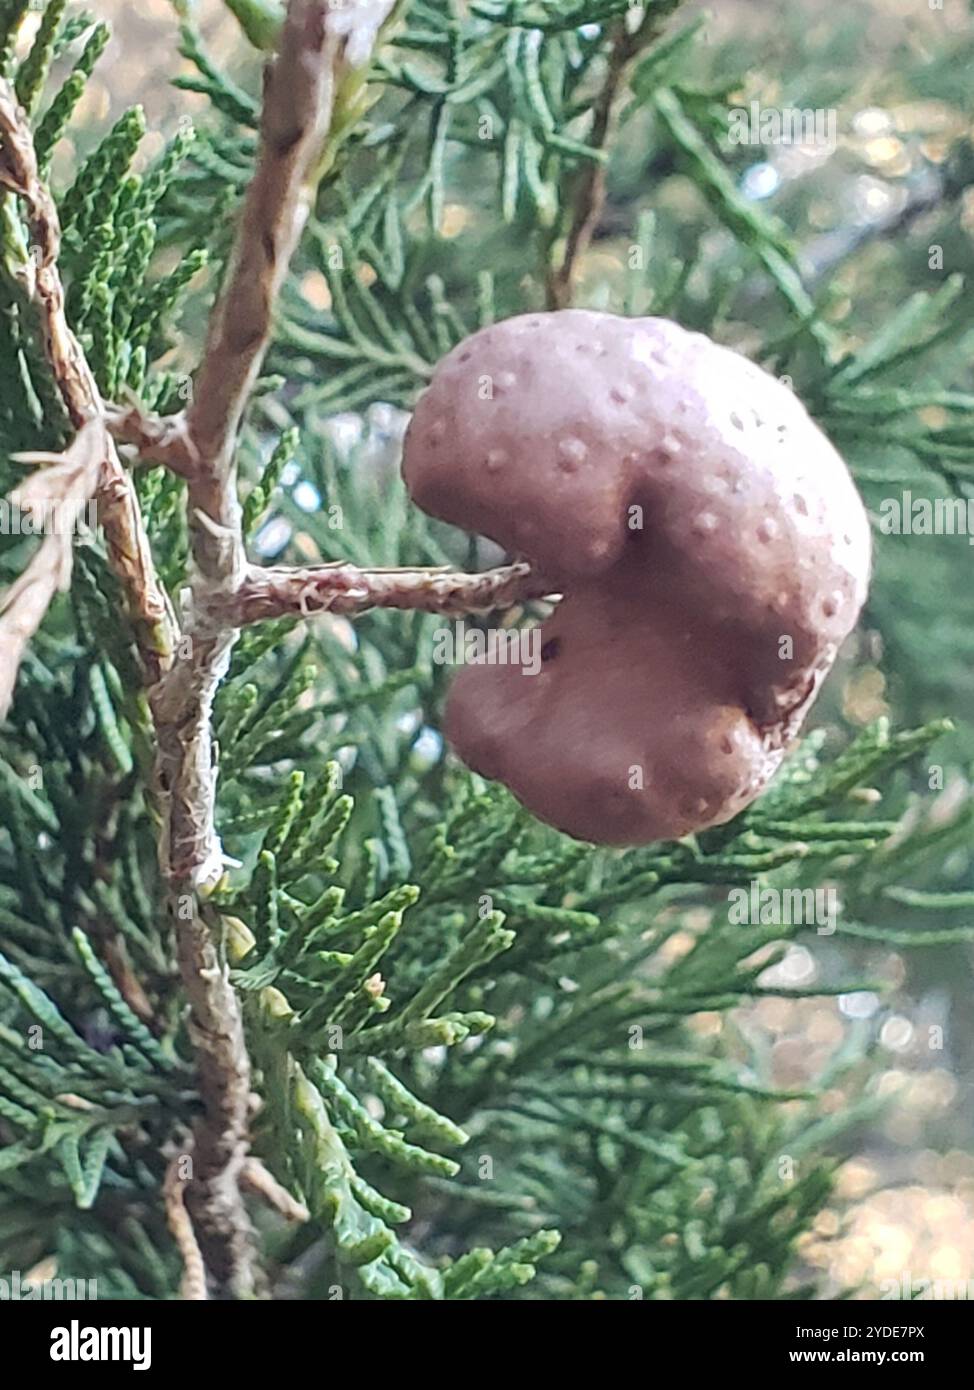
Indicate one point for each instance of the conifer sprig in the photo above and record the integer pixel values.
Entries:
(464, 1031)
(34, 269)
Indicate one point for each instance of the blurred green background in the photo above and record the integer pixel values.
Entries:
(887, 211)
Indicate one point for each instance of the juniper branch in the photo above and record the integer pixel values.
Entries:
(257, 1179)
(280, 591)
(299, 100)
(590, 194)
(193, 1284)
(39, 280)
(56, 496)
(299, 97)
(161, 439)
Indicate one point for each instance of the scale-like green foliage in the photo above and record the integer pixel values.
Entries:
(470, 1035)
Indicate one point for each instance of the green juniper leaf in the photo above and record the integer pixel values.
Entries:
(32, 73)
(421, 967)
